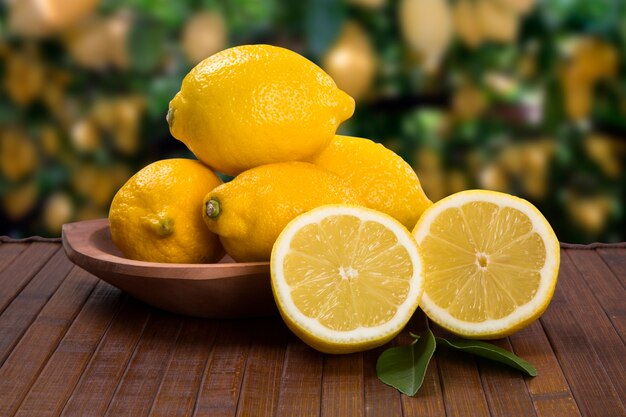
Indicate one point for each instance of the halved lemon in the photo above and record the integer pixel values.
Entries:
(346, 279)
(491, 262)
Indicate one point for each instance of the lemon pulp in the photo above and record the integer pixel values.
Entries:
(331, 262)
(490, 263)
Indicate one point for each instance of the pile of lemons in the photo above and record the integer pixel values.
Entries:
(332, 214)
(267, 116)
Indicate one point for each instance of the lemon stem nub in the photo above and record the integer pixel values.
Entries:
(161, 224)
(212, 209)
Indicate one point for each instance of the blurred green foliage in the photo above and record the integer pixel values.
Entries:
(493, 116)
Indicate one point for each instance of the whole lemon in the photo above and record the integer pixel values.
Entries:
(156, 215)
(256, 104)
(384, 181)
(249, 212)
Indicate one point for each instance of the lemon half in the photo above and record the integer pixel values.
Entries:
(346, 278)
(491, 262)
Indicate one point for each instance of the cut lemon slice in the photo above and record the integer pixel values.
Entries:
(345, 278)
(491, 262)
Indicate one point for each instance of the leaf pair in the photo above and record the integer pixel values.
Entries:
(404, 367)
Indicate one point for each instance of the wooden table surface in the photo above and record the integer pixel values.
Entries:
(71, 345)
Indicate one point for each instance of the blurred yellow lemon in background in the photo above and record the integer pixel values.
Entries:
(346, 279)
(467, 26)
(38, 18)
(589, 212)
(491, 262)
(18, 154)
(156, 216)
(498, 23)
(517, 6)
(427, 26)
(20, 200)
(249, 212)
(100, 42)
(25, 75)
(352, 61)
(57, 209)
(384, 181)
(63, 13)
(204, 34)
(256, 104)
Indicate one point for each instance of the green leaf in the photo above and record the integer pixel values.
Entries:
(491, 352)
(404, 367)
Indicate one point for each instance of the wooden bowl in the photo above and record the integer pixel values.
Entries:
(221, 290)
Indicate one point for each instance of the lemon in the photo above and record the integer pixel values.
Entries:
(491, 262)
(351, 61)
(156, 215)
(467, 27)
(19, 158)
(20, 200)
(204, 34)
(384, 180)
(249, 212)
(498, 24)
(256, 104)
(57, 209)
(61, 14)
(427, 28)
(346, 279)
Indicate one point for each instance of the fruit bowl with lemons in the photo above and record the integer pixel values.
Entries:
(332, 232)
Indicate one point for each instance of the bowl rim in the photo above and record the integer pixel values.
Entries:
(77, 239)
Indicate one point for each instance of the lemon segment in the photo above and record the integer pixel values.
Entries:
(491, 263)
(346, 278)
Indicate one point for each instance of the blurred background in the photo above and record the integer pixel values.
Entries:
(522, 96)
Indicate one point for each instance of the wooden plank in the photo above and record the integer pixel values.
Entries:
(380, 399)
(605, 286)
(261, 381)
(30, 355)
(220, 388)
(462, 390)
(342, 385)
(593, 390)
(589, 383)
(10, 251)
(595, 324)
(177, 393)
(138, 387)
(504, 387)
(54, 385)
(300, 386)
(25, 307)
(549, 389)
(616, 261)
(556, 406)
(96, 387)
(19, 272)
(428, 401)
